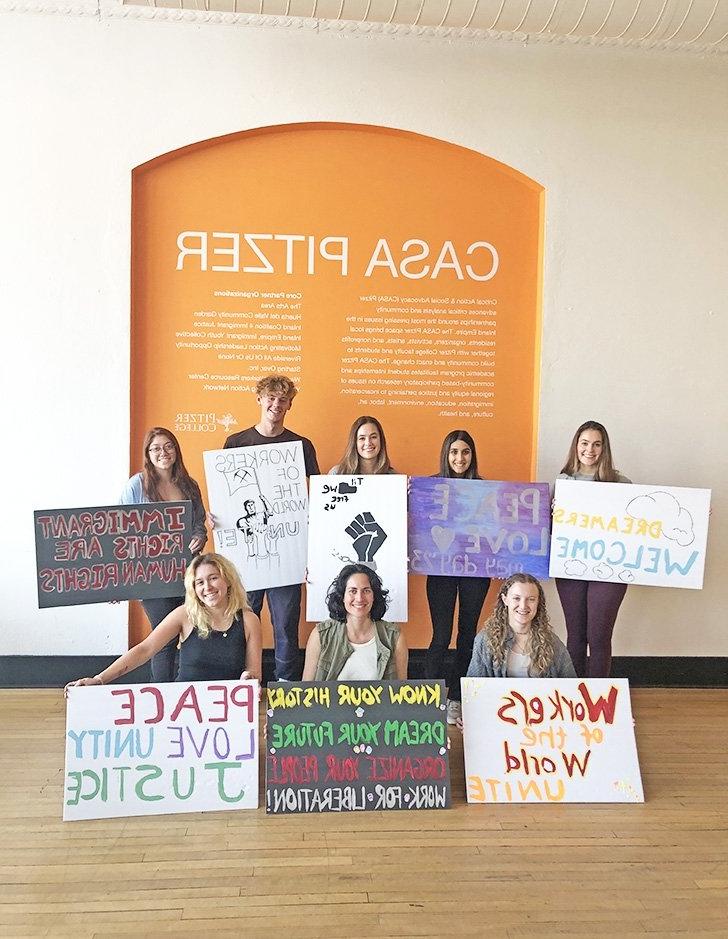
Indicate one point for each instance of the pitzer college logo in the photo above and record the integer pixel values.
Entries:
(202, 422)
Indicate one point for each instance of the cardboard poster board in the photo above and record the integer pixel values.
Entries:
(358, 519)
(356, 747)
(478, 527)
(259, 499)
(630, 534)
(112, 552)
(549, 740)
(161, 749)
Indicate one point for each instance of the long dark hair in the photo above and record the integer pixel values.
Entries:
(350, 460)
(335, 594)
(605, 472)
(150, 477)
(445, 469)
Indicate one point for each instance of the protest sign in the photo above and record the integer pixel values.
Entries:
(358, 519)
(624, 533)
(113, 552)
(161, 749)
(259, 500)
(478, 528)
(549, 740)
(356, 746)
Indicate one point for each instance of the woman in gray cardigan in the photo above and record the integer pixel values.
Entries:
(517, 640)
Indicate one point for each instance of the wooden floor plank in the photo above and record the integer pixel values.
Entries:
(506, 871)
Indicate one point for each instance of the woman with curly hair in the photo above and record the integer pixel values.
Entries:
(517, 640)
(356, 643)
(366, 450)
(164, 478)
(217, 632)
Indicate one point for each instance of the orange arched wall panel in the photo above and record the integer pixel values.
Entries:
(388, 273)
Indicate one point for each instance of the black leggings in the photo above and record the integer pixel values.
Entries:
(590, 611)
(442, 593)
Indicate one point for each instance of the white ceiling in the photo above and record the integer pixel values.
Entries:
(686, 25)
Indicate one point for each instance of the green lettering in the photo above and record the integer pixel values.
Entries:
(221, 767)
(74, 792)
(152, 772)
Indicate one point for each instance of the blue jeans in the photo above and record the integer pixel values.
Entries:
(166, 662)
(284, 604)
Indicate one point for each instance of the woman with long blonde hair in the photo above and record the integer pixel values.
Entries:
(217, 633)
(517, 640)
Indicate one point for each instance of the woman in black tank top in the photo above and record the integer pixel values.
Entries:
(220, 656)
(218, 634)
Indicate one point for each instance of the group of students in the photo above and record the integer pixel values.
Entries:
(213, 631)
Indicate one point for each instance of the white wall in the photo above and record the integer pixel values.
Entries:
(630, 146)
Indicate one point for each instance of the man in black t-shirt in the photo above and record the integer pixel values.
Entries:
(275, 397)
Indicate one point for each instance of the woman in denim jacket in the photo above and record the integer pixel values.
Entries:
(517, 640)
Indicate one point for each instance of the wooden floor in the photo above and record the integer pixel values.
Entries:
(510, 870)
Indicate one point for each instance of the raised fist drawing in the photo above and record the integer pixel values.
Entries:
(367, 536)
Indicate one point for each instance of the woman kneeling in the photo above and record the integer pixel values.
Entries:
(517, 640)
(356, 643)
(217, 633)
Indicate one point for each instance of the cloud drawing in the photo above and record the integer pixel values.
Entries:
(677, 522)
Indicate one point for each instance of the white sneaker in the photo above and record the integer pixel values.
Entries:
(454, 712)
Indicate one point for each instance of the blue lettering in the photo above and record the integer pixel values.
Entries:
(671, 566)
(655, 555)
(638, 562)
(620, 559)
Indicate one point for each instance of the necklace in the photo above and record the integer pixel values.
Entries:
(224, 631)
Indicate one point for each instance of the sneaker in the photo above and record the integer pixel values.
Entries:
(454, 712)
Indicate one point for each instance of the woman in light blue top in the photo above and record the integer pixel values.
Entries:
(164, 478)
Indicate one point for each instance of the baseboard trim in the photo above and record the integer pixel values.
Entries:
(53, 671)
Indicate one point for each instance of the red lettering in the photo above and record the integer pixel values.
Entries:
(183, 704)
(125, 705)
(571, 761)
(223, 701)
(152, 518)
(174, 513)
(248, 698)
(157, 694)
(602, 707)
(45, 522)
(510, 703)
(48, 580)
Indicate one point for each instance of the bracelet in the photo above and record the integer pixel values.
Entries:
(101, 681)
